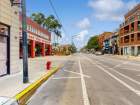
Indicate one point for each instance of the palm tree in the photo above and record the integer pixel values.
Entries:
(38, 17)
(53, 25)
(58, 34)
(50, 23)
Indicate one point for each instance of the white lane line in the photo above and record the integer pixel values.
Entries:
(57, 78)
(85, 95)
(119, 80)
(77, 73)
(125, 76)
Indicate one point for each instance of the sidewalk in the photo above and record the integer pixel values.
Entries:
(12, 84)
(131, 58)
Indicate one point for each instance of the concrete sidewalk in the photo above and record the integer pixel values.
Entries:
(12, 84)
(131, 58)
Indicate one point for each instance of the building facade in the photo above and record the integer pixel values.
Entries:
(111, 44)
(39, 39)
(9, 38)
(129, 34)
(102, 38)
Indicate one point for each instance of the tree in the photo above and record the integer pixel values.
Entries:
(38, 17)
(93, 43)
(73, 48)
(50, 23)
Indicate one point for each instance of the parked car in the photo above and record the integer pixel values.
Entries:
(99, 53)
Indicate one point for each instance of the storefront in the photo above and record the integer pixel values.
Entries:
(39, 40)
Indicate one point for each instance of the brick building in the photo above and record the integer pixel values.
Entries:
(111, 43)
(9, 38)
(102, 38)
(129, 34)
(39, 39)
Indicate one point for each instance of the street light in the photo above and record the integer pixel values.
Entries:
(24, 37)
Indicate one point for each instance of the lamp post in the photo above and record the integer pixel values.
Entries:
(24, 38)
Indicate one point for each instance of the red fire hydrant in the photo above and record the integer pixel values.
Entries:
(48, 65)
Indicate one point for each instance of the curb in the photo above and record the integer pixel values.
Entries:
(23, 97)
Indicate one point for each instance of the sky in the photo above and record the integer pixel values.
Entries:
(84, 18)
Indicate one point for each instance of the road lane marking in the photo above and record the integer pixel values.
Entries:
(77, 73)
(119, 80)
(127, 77)
(85, 95)
(57, 78)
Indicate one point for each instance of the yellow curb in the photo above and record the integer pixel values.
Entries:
(26, 94)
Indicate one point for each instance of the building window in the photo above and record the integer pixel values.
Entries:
(132, 38)
(121, 39)
(132, 27)
(139, 25)
(138, 36)
(126, 39)
(132, 19)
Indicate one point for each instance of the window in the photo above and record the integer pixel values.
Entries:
(132, 37)
(121, 39)
(138, 36)
(138, 25)
(126, 39)
(132, 19)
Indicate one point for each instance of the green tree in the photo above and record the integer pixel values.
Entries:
(38, 17)
(73, 48)
(93, 43)
(50, 23)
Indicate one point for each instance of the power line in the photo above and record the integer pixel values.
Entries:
(50, 1)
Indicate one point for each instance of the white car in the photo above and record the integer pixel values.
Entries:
(98, 53)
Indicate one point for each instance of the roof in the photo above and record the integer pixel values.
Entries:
(132, 10)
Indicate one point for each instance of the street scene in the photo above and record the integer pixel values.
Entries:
(83, 52)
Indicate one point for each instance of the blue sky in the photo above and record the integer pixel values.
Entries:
(84, 17)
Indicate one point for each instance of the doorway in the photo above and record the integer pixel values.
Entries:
(5, 52)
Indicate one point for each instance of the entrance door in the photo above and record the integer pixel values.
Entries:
(3, 49)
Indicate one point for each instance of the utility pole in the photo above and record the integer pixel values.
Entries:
(25, 45)
(22, 3)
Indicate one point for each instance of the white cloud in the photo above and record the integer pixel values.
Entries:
(83, 24)
(113, 10)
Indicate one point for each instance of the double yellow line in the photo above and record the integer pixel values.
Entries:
(23, 97)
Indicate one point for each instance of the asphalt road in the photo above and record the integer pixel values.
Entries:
(92, 80)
